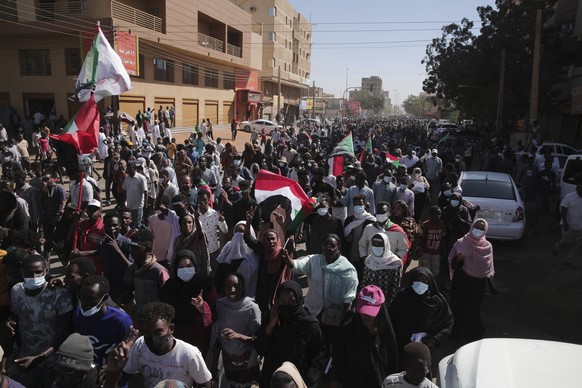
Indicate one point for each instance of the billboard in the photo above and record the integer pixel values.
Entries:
(127, 46)
(246, 79)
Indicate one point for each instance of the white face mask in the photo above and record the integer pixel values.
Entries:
(382, 217)
(454, 203)
(186, 274)
(402, 186)
(417, 175)
(387, 179)
(93, 310)
(377, 251)
(419, 287)
(322, 211)
(358, 209)
(478, 233)
(34, 283)
(448, 193)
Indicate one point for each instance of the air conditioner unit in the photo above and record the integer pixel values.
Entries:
(253, 8)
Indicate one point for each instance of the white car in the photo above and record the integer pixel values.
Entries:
(499, 201)
(557, 149)
(572, 175)
(512, 362)
(259, 125)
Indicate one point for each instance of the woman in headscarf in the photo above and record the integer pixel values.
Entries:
(420, 187)
(401, 216)
(383, 268)
(421, 311)
(183, 165)
(272, 270)
(192, 295)
(365, 351)
(237, 256)
(471, 263)
(457, 219)
(227, 156)
(287, 375)
(238, 318)
(289, 333)
(248, 155)
(192, 238)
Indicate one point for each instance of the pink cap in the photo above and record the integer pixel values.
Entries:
(370, 299)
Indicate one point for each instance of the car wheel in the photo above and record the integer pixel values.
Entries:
(247, 128)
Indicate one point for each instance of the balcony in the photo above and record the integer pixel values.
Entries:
(137, 17)
(98, 10)
(233, 50)
(210, 42)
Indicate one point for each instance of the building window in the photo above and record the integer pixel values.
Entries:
(72, 61)
(35, 62)
(8, 10)
(210, 78)
(273, 11)
(228, 80)
(273, 63)
(190, 74)
(163, 70)
(272, 36)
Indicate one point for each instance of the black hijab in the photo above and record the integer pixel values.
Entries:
(413, 313)
(293, 314)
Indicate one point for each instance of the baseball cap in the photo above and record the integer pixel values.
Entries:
(95, 202)
(370, 299)
(435, 151)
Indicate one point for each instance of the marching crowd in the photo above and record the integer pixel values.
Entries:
(188, 278)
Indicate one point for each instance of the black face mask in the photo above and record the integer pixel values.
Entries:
(157, 344)
(287, 313)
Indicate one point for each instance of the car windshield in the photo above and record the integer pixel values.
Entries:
(487, 189)
(573, 172)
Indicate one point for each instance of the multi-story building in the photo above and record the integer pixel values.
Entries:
(286, 53)
(372, 84)
(202, 57)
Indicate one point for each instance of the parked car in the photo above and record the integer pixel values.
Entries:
(500, 203)
(441, 130)
(557, 149)
(571, 176)
(259, 125)
(511, 362)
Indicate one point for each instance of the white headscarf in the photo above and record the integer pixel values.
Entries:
(236, 249)
(388, 259)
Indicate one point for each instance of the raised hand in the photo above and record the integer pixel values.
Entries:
(118, 356)
(198, 302)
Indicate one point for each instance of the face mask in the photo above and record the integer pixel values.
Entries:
(434, 155)
(321, 154)
(402, 186)
(157, 344)
(186, 274)
(93, 310)
(478, 233)
(377, 251)
(8, 159)
(287, 312)
(448, 193)
(358, 209)
(454, 203)
(382, 217)
(322, 211)
(419, 287)
(237, 162)
(417, 175)
(34, 283)
(387, 179)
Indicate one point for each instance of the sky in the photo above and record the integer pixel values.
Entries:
(397, 62)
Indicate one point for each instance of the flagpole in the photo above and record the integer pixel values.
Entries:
(79, 200)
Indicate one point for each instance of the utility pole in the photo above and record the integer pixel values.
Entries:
(500, 92)
(535, 72)
(313, 102)
(279, 98)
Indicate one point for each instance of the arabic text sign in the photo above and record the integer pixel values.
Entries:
(126, 46)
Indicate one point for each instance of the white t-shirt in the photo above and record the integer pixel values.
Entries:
(573, 203)
(162, 231)
(396, 380)
(183, 363)
(135, 187)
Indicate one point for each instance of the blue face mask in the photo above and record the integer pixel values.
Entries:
(454, 203)
(34, 283)
(419, 287)
(93, 310)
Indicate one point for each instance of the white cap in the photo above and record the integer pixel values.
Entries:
(435, 151)
(95, 202)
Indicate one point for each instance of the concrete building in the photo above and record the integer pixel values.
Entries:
(286, 53)
(203, 57)
(372, 84)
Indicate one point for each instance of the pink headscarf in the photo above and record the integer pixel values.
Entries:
(478, 253)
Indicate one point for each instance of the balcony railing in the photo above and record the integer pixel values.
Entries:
(137, 17)
(210, 42)
(233, 50)
(53, 11)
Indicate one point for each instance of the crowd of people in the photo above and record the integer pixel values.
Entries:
(186, 277)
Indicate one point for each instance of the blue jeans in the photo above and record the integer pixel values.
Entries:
(137, 215)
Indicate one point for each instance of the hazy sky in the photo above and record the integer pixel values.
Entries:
(396, 62)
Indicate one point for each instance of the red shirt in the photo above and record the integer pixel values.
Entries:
(89, 238)
(433, 233)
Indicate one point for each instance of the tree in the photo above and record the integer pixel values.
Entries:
(369, 101)
(419, 106)
(463, 68)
